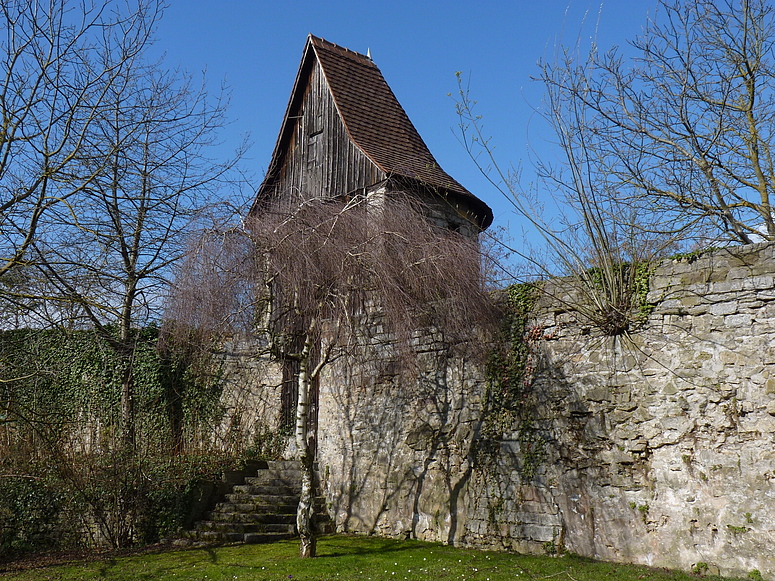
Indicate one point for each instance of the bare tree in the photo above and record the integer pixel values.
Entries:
(664, 151)
(60, 61)
(669, 149)
(684, 127)
(340, 276)
(581, 229)
(104, 258)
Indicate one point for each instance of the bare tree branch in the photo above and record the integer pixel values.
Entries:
(684, 128)
(329, 278)
(59, 62)
(103, 257)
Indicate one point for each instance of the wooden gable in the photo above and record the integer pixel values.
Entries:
(344, 132)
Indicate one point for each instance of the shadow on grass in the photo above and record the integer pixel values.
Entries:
(106, 565)
(374, 547)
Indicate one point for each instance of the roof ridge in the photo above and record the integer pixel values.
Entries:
(320, 42)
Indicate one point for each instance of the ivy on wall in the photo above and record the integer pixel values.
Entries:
(59, 383)
(510, 372)
(64, 480)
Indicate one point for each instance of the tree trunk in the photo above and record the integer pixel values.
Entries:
(126, 351)
(304, 444)
(127, 404)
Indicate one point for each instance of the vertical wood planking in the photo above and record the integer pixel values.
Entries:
(322, 161)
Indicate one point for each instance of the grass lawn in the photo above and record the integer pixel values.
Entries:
(344, 558)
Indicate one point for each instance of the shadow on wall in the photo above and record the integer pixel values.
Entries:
(657, 441)
(434, 458)
(654, 447)
(396, 446)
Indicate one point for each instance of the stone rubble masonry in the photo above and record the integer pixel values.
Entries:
(251, 402)
(657, 447)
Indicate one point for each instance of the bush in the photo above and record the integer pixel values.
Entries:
(174, 489)
(32, 511)
(65, 478)
(131, 500)
(104, 499)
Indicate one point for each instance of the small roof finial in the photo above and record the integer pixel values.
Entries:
(368, 53)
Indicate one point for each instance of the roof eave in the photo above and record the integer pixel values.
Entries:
(481, 212)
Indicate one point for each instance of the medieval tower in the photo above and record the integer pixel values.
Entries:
(345, 134)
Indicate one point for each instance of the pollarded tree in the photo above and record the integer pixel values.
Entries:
(339, 276)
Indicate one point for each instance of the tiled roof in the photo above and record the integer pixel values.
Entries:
(377, 123)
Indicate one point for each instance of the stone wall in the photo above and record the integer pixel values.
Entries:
(252, 398)
(393, 446)
(657, 447)
(659, 444)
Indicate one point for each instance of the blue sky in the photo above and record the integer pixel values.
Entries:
(255, 47)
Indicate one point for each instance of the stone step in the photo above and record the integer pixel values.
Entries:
(247, 498)
(246, 517)
(252, 507)
(265, 500)
(267, 480)
(259, 508)
(270, 500)
(197, 538)
(265, 490)
(242, 528)
(223, 534)
(243, 518)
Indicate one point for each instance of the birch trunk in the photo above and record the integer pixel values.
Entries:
(304, 513)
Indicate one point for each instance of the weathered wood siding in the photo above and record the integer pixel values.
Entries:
(321, 160)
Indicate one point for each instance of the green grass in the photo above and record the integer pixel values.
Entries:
(345, 558)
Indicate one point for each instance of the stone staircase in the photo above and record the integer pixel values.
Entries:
(258, 509)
